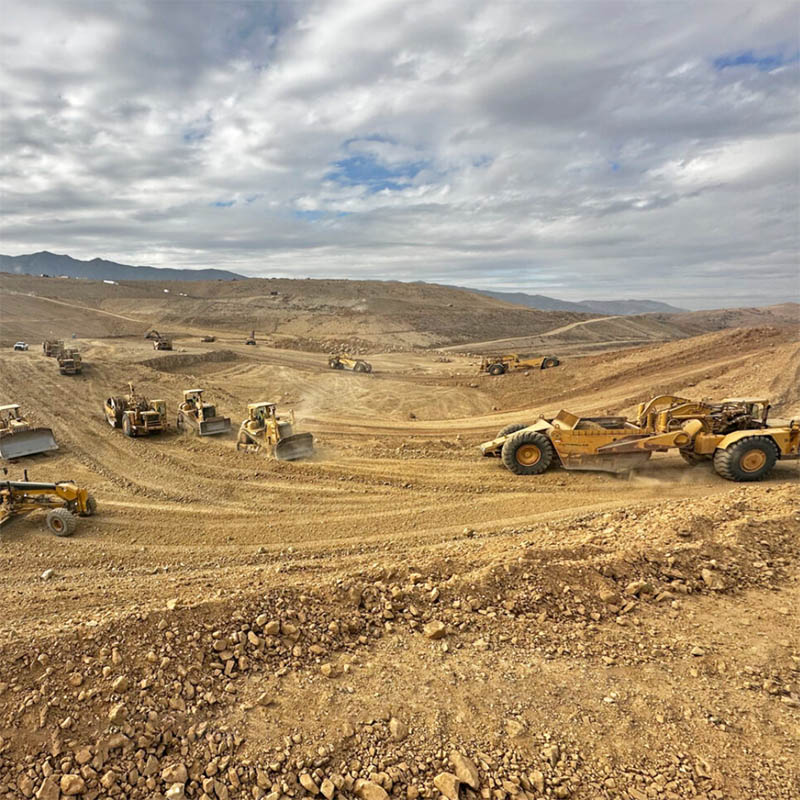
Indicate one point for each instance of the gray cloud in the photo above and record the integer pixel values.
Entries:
(580, 149)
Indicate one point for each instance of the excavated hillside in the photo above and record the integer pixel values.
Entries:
(396, 617)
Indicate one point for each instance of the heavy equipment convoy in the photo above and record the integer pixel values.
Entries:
(346, 361)
(64, 502)
(201, 417)
(733, 434)
(265, 430)
(499, 365)
(135, 414)
(19, 438)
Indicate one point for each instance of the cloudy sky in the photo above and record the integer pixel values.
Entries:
(578, 149)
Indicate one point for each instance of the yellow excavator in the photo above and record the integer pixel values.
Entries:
(264, 429)
(64, 502)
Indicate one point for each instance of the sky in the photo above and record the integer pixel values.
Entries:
(582, 150)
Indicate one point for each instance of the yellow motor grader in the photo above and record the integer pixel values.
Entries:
(264, 429)
(18, 438)
(201, 417)
(346, 361)
(499, 365)
(135, 414)
(733, 434)
(63, 501)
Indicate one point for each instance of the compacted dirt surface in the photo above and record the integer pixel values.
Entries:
(396, 616)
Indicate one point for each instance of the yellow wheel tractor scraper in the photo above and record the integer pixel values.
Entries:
(18, 438)
(63, 501)
(346, 361)
(199, 416)
(135, 414)
(733, 434)
(265, 430)
(499, 365)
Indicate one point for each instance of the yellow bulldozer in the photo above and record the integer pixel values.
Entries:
(201, 417)
(63, 501)
(135, 414)
(18, 438)
(346, 361)
(499, 365)
(70, 362)
(732, 434)
(265, 430)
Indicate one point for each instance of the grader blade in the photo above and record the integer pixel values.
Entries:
(299, 445)
(27, 443)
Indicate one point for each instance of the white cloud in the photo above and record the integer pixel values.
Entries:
(586, 149)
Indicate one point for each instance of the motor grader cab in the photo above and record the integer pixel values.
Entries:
(201, 417)
(135, 414)
(52, 347)
(18, 438)
(346, 361)
(499, 365)
(70, 362)
(64, 502)
(733, 434)
(265, 430)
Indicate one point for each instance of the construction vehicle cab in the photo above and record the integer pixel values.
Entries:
(195, 414)
(64, 502)
(265, 430)
(346, 361)
(20, 345)
(135, 414)
(18, 438)
(499, 365)
(733, 434)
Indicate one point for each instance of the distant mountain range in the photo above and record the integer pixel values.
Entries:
(98, 269)
(54, 265)
(612, 307)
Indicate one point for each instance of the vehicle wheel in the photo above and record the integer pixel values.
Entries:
(509, 429)
(127, 428)
(359, 367)
(528, 453)
(496, 369)
(693, 459)
(749, 459)
(550, 362)
(179, 423)
(91, 507)
(61, 522)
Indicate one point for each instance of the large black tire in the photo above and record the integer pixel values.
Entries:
(179, 423)
(61, 522)
(528, 453)
(550, 362)
(509, 429)
(496, 369)
(749, 459)
(359, 367)
(127, 428)
(91, 507)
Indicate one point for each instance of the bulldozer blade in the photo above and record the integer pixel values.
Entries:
(210, 427)
(300, 445)
(27, 443)
(619, 462)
